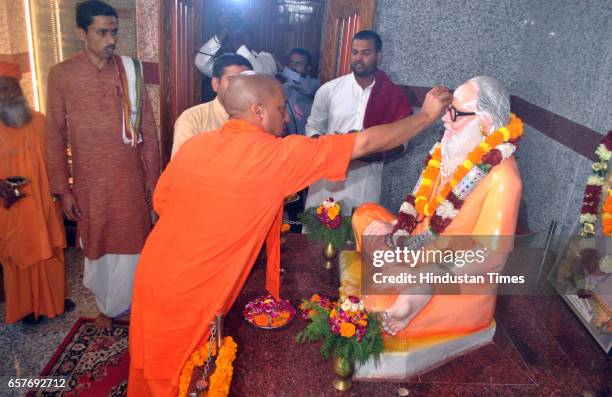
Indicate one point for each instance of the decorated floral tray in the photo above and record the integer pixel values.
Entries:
(267, 313)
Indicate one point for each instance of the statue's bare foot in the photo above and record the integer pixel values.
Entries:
(103, 321)
(396, 319)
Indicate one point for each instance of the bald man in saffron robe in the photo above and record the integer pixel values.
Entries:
(219, 200)
(31, 231)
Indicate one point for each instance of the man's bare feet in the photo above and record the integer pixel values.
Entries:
(103, 321)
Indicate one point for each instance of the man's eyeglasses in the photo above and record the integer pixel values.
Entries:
(454, 113)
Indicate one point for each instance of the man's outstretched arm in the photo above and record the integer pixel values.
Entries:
(387, 136)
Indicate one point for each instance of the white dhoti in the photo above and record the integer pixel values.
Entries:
(111, 279)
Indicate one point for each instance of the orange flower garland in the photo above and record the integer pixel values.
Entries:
(222, 377)
(426, 207)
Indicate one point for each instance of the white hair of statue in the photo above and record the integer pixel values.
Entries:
(494, 100)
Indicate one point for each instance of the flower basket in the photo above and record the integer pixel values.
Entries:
(347, 330)
(326, 223)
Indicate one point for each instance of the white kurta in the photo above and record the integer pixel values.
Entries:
(339, 107)
(262, 62)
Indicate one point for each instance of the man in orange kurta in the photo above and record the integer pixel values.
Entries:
(31, 231)
(218, 201)
(488, 215)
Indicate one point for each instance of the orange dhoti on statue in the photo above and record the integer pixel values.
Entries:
(31, 231)
(489, 216)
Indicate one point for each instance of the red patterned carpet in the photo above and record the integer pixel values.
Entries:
(95, 362)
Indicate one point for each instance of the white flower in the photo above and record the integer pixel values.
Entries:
(401, 232)
(346, 305)
(506, 149)
(605, 264)
(603, 153)
(447, 210)
(595, 180)
(408, 208)
(588, 218)
(599, 166)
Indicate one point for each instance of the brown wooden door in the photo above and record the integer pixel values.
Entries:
(344, 19)
(180, 22)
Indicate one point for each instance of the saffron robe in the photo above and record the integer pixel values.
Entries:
(489, 215)
(31, 231)
(85, 110)
(218, 200)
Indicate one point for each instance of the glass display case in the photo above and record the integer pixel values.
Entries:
(581, 275)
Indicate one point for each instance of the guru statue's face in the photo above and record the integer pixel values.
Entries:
(461, 135)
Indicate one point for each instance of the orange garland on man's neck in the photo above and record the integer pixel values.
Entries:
(426, 206)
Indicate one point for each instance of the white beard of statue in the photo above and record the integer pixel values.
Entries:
(456, 145)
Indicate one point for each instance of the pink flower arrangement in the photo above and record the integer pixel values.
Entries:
(267, 312)
(349, 319)
(329, 214)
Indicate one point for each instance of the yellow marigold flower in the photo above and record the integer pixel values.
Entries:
(485, 146)
(453, 182)
(333, 212)
(347, 330)
(505, 133)
(426, 210)
(319, 210)
(425, 182)
(333, 313)
(434, 163)
(468, 164)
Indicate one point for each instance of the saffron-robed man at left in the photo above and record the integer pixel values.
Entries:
(32, 237)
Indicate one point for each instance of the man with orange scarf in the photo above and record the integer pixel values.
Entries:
(219, 200)
(31, 231)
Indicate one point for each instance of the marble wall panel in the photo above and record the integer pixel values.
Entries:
(5, 42)
(567, 60)
(147, 18)
(425, 43)
(555, 54)
(153, 92)
(17, 26)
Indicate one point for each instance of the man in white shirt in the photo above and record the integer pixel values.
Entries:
(232, 36)
(361, 99)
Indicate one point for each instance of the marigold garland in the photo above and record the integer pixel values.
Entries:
(427, 207)
(221, 379)
(444, 207)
